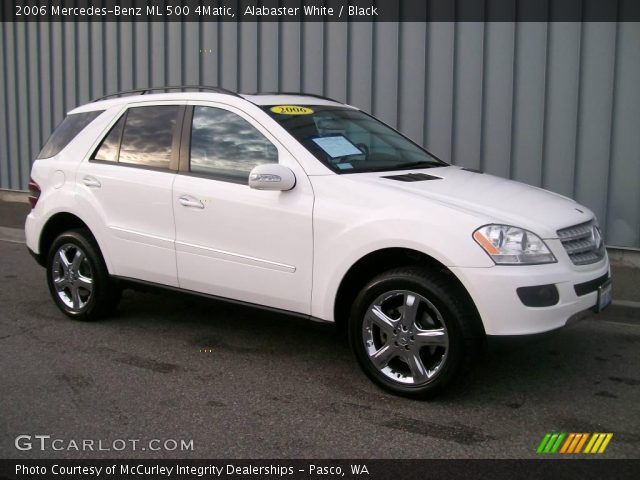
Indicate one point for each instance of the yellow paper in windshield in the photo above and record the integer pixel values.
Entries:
(291, 110)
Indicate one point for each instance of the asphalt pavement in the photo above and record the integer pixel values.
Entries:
(242, 383)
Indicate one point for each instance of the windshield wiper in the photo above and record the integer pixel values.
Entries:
(420, 164)
(392, 168)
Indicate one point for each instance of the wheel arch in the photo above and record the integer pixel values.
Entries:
(382, 260)
(60, 222)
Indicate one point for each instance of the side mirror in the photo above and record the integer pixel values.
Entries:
(272, 176)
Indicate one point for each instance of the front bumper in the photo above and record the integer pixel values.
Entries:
(493, 291)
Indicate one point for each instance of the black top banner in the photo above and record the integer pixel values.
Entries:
(320, 10)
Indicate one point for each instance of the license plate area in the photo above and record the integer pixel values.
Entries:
(604, 296)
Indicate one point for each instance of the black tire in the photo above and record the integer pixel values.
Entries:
(441, 304)
(103, 296)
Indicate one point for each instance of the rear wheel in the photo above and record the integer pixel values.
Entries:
(78, 278)
(411, 332)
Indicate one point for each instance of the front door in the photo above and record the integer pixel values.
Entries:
(233, 241)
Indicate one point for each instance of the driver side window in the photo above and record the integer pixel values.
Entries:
(226, 146)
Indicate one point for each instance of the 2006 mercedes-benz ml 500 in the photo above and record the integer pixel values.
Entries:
(305, 205)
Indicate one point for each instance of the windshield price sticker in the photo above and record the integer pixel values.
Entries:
(337, 146)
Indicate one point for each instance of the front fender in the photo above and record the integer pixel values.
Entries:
(335, 254)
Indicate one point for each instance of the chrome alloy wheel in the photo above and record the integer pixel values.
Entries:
(72, 276)
(405, 337)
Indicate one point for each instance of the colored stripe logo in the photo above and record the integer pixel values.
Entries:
(573, 443)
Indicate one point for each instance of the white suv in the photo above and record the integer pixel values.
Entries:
(305, 205)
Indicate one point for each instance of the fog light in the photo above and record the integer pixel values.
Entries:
(539, 296)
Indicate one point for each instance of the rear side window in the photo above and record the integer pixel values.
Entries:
(71, 126)
(108, 149)
(142, 136)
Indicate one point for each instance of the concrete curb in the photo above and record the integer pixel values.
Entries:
(14, 235)
(623, 257)
(626, 303)
(13, 196)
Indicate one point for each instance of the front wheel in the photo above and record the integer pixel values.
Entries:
(412, 332)
(78, 278)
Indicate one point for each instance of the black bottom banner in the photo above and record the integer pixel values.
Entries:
(319, 469)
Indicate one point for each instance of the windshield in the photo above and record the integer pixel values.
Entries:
(350, 141)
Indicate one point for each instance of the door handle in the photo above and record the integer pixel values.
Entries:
(91, 182)
(189, 201)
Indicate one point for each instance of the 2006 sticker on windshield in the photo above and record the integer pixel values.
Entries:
(291, 110)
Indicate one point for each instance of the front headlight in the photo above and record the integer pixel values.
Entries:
(507, 245)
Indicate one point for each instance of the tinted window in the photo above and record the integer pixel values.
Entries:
(224, 144)
(66, 131)
(148, 136)
(108, 149)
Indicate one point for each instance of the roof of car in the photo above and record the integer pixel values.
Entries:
(207, 93)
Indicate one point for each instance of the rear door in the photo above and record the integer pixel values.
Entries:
(128, 180)
(231, 240)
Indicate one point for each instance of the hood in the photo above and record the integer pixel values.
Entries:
(497, 199)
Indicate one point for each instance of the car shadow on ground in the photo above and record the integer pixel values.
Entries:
(503, 371)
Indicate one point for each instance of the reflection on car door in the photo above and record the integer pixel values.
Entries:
(233, 241)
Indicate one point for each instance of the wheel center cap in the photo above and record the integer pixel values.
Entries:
(403, 340)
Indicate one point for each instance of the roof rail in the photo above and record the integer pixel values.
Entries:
(144, 91)
(298, 94)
